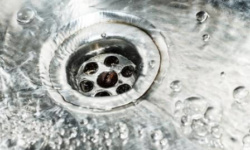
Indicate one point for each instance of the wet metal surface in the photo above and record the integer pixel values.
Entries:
(191, 86)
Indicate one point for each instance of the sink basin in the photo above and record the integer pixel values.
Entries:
(124, 75)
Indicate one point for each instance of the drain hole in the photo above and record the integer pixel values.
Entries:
(102, 94)
(110, 69)
(111, 61)
(86, 86)
(90, 68)
(123, 88)
(128, 71)
(107, 79)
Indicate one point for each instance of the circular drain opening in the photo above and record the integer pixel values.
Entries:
(111, 61)
(90, 68)
(95, 70)
(86, 86)
(107, 79)
(87, 70)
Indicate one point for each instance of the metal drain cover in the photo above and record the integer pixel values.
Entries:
(101, 66)
(105, 73)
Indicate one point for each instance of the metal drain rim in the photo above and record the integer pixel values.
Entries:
(139, 23)
(141, 86)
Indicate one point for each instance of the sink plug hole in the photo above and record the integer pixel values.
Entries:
(86, 86)
(102, 94)
(128, 71)
(111, 61)
(107, 79)
(123, 88)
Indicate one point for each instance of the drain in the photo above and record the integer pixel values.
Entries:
(90, 68)
(123, 88)
(102, 94)
(127, 71)
(111, 61)
(102, 73)
(86, 86)
(107, 79)
(91, 71)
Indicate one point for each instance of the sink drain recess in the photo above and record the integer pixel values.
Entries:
(103, 64)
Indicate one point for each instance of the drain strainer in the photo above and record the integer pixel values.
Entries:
(101, 65)
(105, 75)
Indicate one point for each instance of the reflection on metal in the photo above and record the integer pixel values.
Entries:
(96, 74)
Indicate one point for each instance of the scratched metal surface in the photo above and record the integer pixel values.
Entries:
(200, 101)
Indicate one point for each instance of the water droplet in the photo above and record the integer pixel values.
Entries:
(152, 63)
(84, 137)
(202, 16)
(94, 138)
(164, 143)
(176, 85)
(246, 139)
(246, 142)
(122, 127)
(157, 135)
(124, 135)
(213, 115)
(141, 132)
(199, 127)
(111, 130)
(96, 131)
(185, 120)
(195, 107)
(108, 142)
(103, 35)
(206, 37)
(25, 15)
(106, 135)
(216, 132)
(123, 130)
(178, 105)
(62, 132)
(240, 93)
(222, 74)
(84, 121)
(73, 133)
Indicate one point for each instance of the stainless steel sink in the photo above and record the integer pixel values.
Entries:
(124, 75)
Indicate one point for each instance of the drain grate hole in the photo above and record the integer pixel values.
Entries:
(111, 61)
(102, 94)
(107, 79)
(123, 88)
(90, 68)
(128, 71)
(86, 86)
